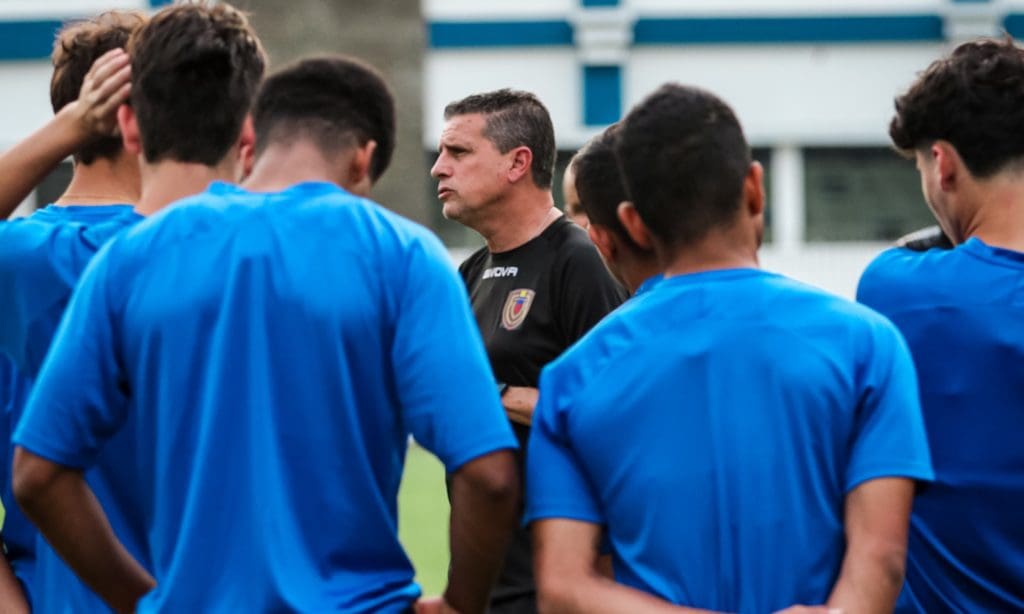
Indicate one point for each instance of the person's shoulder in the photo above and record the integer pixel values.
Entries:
(567, 238)
(474, 262)
(22, 237)
(901, 274)
(575, 253)
(812, 307)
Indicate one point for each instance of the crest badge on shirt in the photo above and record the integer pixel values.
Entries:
(517, 305)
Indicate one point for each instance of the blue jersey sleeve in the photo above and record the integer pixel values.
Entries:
(556, 484)
(30, 283)
(446, 388)
(889, 433)
(78, 401)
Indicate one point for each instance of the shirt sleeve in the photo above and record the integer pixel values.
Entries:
(30, 285)
(79, 400)
(890, 439)
(587, 292)
(556, 483)
(445, 385)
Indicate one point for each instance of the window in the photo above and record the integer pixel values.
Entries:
(861, 194)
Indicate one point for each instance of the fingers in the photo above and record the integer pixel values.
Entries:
(108, 64)
(106, 87)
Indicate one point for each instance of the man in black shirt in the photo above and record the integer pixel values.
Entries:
(538, 285)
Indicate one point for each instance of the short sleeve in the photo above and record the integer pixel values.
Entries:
(445, 385)
(556, 484)
(890, 438)
(79, 400)
(587, 291)
(30, 286)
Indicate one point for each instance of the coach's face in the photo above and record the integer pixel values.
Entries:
(470, 170)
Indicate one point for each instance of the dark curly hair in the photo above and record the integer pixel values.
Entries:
(77, 46)
(974, 99)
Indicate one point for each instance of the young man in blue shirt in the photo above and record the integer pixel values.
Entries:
(596, 183)
(195, 140)
(740, 441)
(43, 255)
(962, 313)
(268, 350)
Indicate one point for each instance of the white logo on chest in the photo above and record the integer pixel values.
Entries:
(501, 271)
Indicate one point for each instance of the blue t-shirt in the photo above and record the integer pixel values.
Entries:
(962, 313)
(266, 357)
(713, 426)
(41, 258)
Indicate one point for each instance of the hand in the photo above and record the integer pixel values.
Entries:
(434, 605)
(519, 402)
(105, 88)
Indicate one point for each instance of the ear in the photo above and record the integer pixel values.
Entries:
(604, 241)
(948, 164)
(637, 229)
(753, 190)
(358, 179)
(129, 127)
(522, 162)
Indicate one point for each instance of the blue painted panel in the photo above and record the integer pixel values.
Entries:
(587, 3)
(1014, 24)
(455, 34)
(602, 95)
(759, 30)
(27, 40)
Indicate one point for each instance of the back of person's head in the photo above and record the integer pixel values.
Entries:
(336, 102)
(599, 183)
(78, 45)
(514, 119)
(684, 160)
(195, 71)
(973, 99)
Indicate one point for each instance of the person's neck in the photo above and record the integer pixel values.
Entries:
(282, 166)
(725, 248)
(102, 182)
(639, 269)
(518, 220)
(999, 219)
(168, 181)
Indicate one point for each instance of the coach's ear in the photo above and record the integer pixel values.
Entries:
(359, 179)
(129, 128)
(638, 231)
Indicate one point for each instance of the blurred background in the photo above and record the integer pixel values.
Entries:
(812, 82)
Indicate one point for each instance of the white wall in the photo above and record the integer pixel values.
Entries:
(793, 93)
(25, 103)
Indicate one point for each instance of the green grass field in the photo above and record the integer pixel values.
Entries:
(423, 518)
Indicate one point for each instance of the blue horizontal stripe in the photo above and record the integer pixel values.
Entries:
(27, 40)
(700, 30)
(454, 34)
(760, 30)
